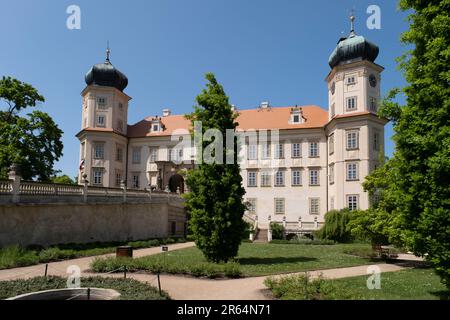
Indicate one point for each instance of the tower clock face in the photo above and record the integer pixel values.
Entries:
(333, 87)
(373, 80)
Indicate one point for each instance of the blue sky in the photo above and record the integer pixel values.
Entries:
(274, 50)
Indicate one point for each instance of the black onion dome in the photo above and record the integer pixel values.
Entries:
(105, 74)
(353, 48)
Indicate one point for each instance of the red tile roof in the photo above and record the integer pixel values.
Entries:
(258, 119)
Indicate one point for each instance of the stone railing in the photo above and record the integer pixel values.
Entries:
(17, 191)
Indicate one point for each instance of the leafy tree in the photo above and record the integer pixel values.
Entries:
(413, 188)
(64, 179)
(277, 231)
(336, 226)
(215, 199)
(33, 141)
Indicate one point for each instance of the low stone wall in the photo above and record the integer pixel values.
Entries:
(57, 223)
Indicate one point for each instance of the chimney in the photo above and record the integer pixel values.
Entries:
(264, 105)
(166, 112)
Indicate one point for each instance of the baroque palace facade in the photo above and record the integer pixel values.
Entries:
(317, 164)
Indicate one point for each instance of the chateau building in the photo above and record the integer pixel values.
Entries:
(317, 162)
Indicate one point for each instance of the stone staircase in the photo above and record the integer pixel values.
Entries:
(261, 236)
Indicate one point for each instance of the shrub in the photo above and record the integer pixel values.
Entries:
(304, 242)
(277, 230)
(301, 287)
(232, 270)
(336, 226)
(16, 256)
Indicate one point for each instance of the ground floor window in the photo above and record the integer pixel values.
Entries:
(136, 182)
(251, 205)
(353, 202)
(314, 205)
(279, 206)
(98, 176)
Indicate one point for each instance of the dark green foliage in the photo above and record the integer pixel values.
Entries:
(34, 141)
(277, 231)
(336, 226)
(215, 201)
(128, 288)
(413, 188)
(64, 179)
(304, 242)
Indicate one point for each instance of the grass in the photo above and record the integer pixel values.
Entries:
(412, 284)
(16, 256)
(129, 289)
(253, 260)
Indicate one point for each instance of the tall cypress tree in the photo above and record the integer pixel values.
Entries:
(215, 200)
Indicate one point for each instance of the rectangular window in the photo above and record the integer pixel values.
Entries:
(331, 144)
(279, 206)
(313, 177)
(296, 150)
(279, 179)
(118, 179)
(296, 118)
(333, 110)
(83, 150)
(155, 128)
(266, 180)
(351, 104)
(332, 203)
(314, 205)
(119, 154)
(120, 106)
(331, 174)
(352, 202)
(101, 101)
(265, 148)
(176, 155)
(313, 149)
(119, 126)
(99, 151)
(373, 104)
(98, 176)
(351, 80)
(252, 152)
(101, 120)
(252, 179)
(352, 171)
(136, 155)
(352, 140)
(136, 181)
(153, 154)
(296, 177)
(251, 205)
(376, 141)
(279, 151)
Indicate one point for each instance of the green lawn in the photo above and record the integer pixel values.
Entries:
(128, 288)
(253, 260)
(16, 256)
(412, 284)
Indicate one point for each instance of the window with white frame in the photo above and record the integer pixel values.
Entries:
(313, 149)
(101, 101)
(101, 120)
(251, 179)
(118, 179)
(296, 177)
(136, 180)
(351, 103)
(314, 205)
(296, 150)
(83, 150)
(331, 173)
(252, 151)
(176, 155)
(136, 155)
(331, 144)
(279, 205)
(266, 179)
(373, 104)
(352, 140)
(154, 154)
(352, 202)
(279, 151)
(251, 205)
(119, 153)
(279, 179)
(265, 150)
(332, 203)
(98, 176)
(376, 141)
(99, 150)
(313, 177)
(352, 171)
(351, 80)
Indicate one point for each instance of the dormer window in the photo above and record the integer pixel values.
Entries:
(296, 115)
(157, 126)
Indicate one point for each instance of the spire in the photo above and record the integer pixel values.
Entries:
(352, 24)
(108, 52)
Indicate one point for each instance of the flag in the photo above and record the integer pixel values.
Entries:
(82, 165)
